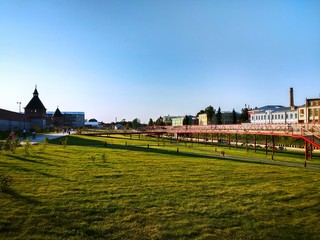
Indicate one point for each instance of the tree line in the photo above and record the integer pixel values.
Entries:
(213, 117)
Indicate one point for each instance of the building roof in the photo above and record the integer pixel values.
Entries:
(271, 107)
(57, 113)
(35, 92)
(35, 102)
(312, 99)
(274, 109)
(9, 115)
(67, 113)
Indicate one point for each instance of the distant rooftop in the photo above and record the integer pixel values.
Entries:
(271, 107)
(52, 112)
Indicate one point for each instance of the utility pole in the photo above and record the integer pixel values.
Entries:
(19, 115)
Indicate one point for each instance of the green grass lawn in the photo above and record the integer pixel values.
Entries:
(136, 192)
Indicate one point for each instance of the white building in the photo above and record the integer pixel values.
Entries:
(274, 114)
(177, 121)
(168, 120)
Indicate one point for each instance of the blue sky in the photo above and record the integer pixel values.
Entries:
(145, 59)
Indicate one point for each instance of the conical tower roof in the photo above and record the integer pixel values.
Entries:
(35, 102)
(35, 93)
(57, 113)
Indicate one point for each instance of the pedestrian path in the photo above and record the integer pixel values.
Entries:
(41, 137)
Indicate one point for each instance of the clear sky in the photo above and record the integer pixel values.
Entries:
(144, 59)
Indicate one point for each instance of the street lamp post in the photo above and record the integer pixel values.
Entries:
(19, 114)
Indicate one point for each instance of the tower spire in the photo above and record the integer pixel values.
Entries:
(35, 93)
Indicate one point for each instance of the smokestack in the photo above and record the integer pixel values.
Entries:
(292, 107)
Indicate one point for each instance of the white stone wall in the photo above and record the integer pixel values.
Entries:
(275, 117)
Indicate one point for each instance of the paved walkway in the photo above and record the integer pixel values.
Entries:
(42, 137)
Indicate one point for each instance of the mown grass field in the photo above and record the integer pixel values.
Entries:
(136, 192)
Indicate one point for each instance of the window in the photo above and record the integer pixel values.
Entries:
(301, 112)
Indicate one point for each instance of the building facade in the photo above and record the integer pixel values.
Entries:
(66, 119)
(227, 117)
(274, 114)
(167, 120)
(177, 121)
(203, 119)
(310, 112)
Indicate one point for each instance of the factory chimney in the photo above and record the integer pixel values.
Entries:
(292, 107)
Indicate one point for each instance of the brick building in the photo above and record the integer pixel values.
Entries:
(310, 112)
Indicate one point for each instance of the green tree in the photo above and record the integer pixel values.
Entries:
(244, 117)
(159, 122)
(136, 123)
(210, 111)
(201, 112)
(234, 117)
(151, 123)
(219, 116)
(185, 120)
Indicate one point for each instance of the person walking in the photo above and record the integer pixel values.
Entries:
(24, 132)
(34, 134)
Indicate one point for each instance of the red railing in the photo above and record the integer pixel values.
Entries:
(308, 132)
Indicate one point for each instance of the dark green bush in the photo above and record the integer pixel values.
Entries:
(5, 182)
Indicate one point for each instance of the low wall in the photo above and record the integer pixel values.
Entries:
(7, 125)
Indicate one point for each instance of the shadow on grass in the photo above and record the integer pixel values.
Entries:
(77, 141)
(17, 196)
(134, 138)
(203, 156)
(26, 159)
(29, 170)
(80, 141)
(74, 229)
